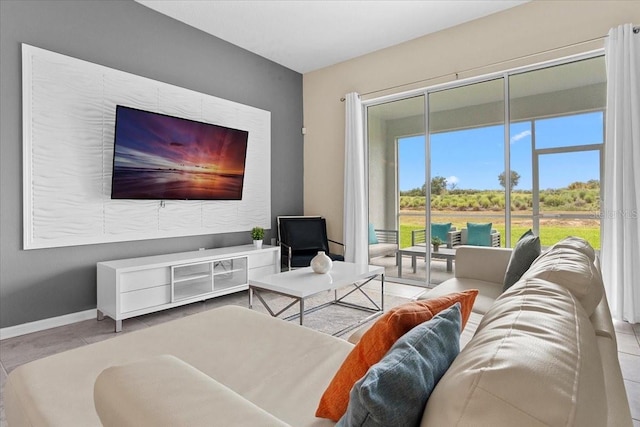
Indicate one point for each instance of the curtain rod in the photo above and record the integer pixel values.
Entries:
(636, 30)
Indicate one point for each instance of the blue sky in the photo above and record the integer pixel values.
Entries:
(474, 158)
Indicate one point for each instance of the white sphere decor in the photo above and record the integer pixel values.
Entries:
(321, 263)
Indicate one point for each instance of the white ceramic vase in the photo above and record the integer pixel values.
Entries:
(321, 263)
(257, 244)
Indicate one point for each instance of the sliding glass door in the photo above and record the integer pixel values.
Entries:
(396, 152)
(466, 160)
(516, 151)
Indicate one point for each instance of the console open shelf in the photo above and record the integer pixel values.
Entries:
(136, 286)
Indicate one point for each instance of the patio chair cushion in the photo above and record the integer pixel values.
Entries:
(526, 251)
(395, 390)
(375, 343)
(479, 234)
(373, 239)
(440, 230)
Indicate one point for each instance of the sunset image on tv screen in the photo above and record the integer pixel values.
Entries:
(164, 157)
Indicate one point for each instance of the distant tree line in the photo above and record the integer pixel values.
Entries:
(440, 186)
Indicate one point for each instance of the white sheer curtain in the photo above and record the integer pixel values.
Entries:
(621, 206)
(355, 198)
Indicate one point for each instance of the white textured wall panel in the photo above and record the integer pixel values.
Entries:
(68, 125)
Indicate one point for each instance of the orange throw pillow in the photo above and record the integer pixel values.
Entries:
(375, 343)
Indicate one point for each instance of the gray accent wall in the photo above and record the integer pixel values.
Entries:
(121, 34)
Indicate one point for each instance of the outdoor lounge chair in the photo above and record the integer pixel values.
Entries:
(462, 235)
(384, 244)
(419, 237)
(454, 238)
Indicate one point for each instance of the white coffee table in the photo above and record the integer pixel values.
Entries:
(303, 283)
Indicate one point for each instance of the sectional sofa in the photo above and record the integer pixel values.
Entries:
(541, 353)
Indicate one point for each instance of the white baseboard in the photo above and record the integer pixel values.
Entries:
(41, 325)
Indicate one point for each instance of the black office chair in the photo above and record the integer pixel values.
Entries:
(301, 238)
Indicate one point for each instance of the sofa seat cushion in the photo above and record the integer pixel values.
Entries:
(470, 329)
(257, 356)
(164, 390)
(487, 291)
(572, 269)
(382, 249)
(534, 361)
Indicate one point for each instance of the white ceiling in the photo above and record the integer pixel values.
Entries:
(306, 35)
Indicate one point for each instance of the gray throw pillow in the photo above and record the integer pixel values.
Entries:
(394, 391)
(526, 251)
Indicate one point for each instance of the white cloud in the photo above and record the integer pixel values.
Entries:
(519, 136)
(452, 179)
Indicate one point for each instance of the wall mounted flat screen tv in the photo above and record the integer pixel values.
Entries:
(170, 158)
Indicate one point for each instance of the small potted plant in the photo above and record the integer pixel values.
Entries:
(436, 242)
(257, 234)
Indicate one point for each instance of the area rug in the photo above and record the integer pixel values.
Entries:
(332, 318)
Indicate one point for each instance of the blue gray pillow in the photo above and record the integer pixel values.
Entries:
(394, 391)
(526, 251)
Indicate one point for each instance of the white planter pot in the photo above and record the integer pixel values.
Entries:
(257, 244)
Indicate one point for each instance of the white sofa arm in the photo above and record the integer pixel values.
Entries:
(482, 263)
(164, 390)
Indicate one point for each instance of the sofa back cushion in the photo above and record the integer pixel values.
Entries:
(578, 244)
(571, 269)
(534, 360)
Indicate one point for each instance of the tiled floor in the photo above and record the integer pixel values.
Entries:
(629, 355)
(19, 350)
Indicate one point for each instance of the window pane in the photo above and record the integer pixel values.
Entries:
(566, 89)
(566, 131)
(570, 196)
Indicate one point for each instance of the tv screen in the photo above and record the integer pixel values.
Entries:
(164, 157)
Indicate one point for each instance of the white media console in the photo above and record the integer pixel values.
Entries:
(137, 286)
